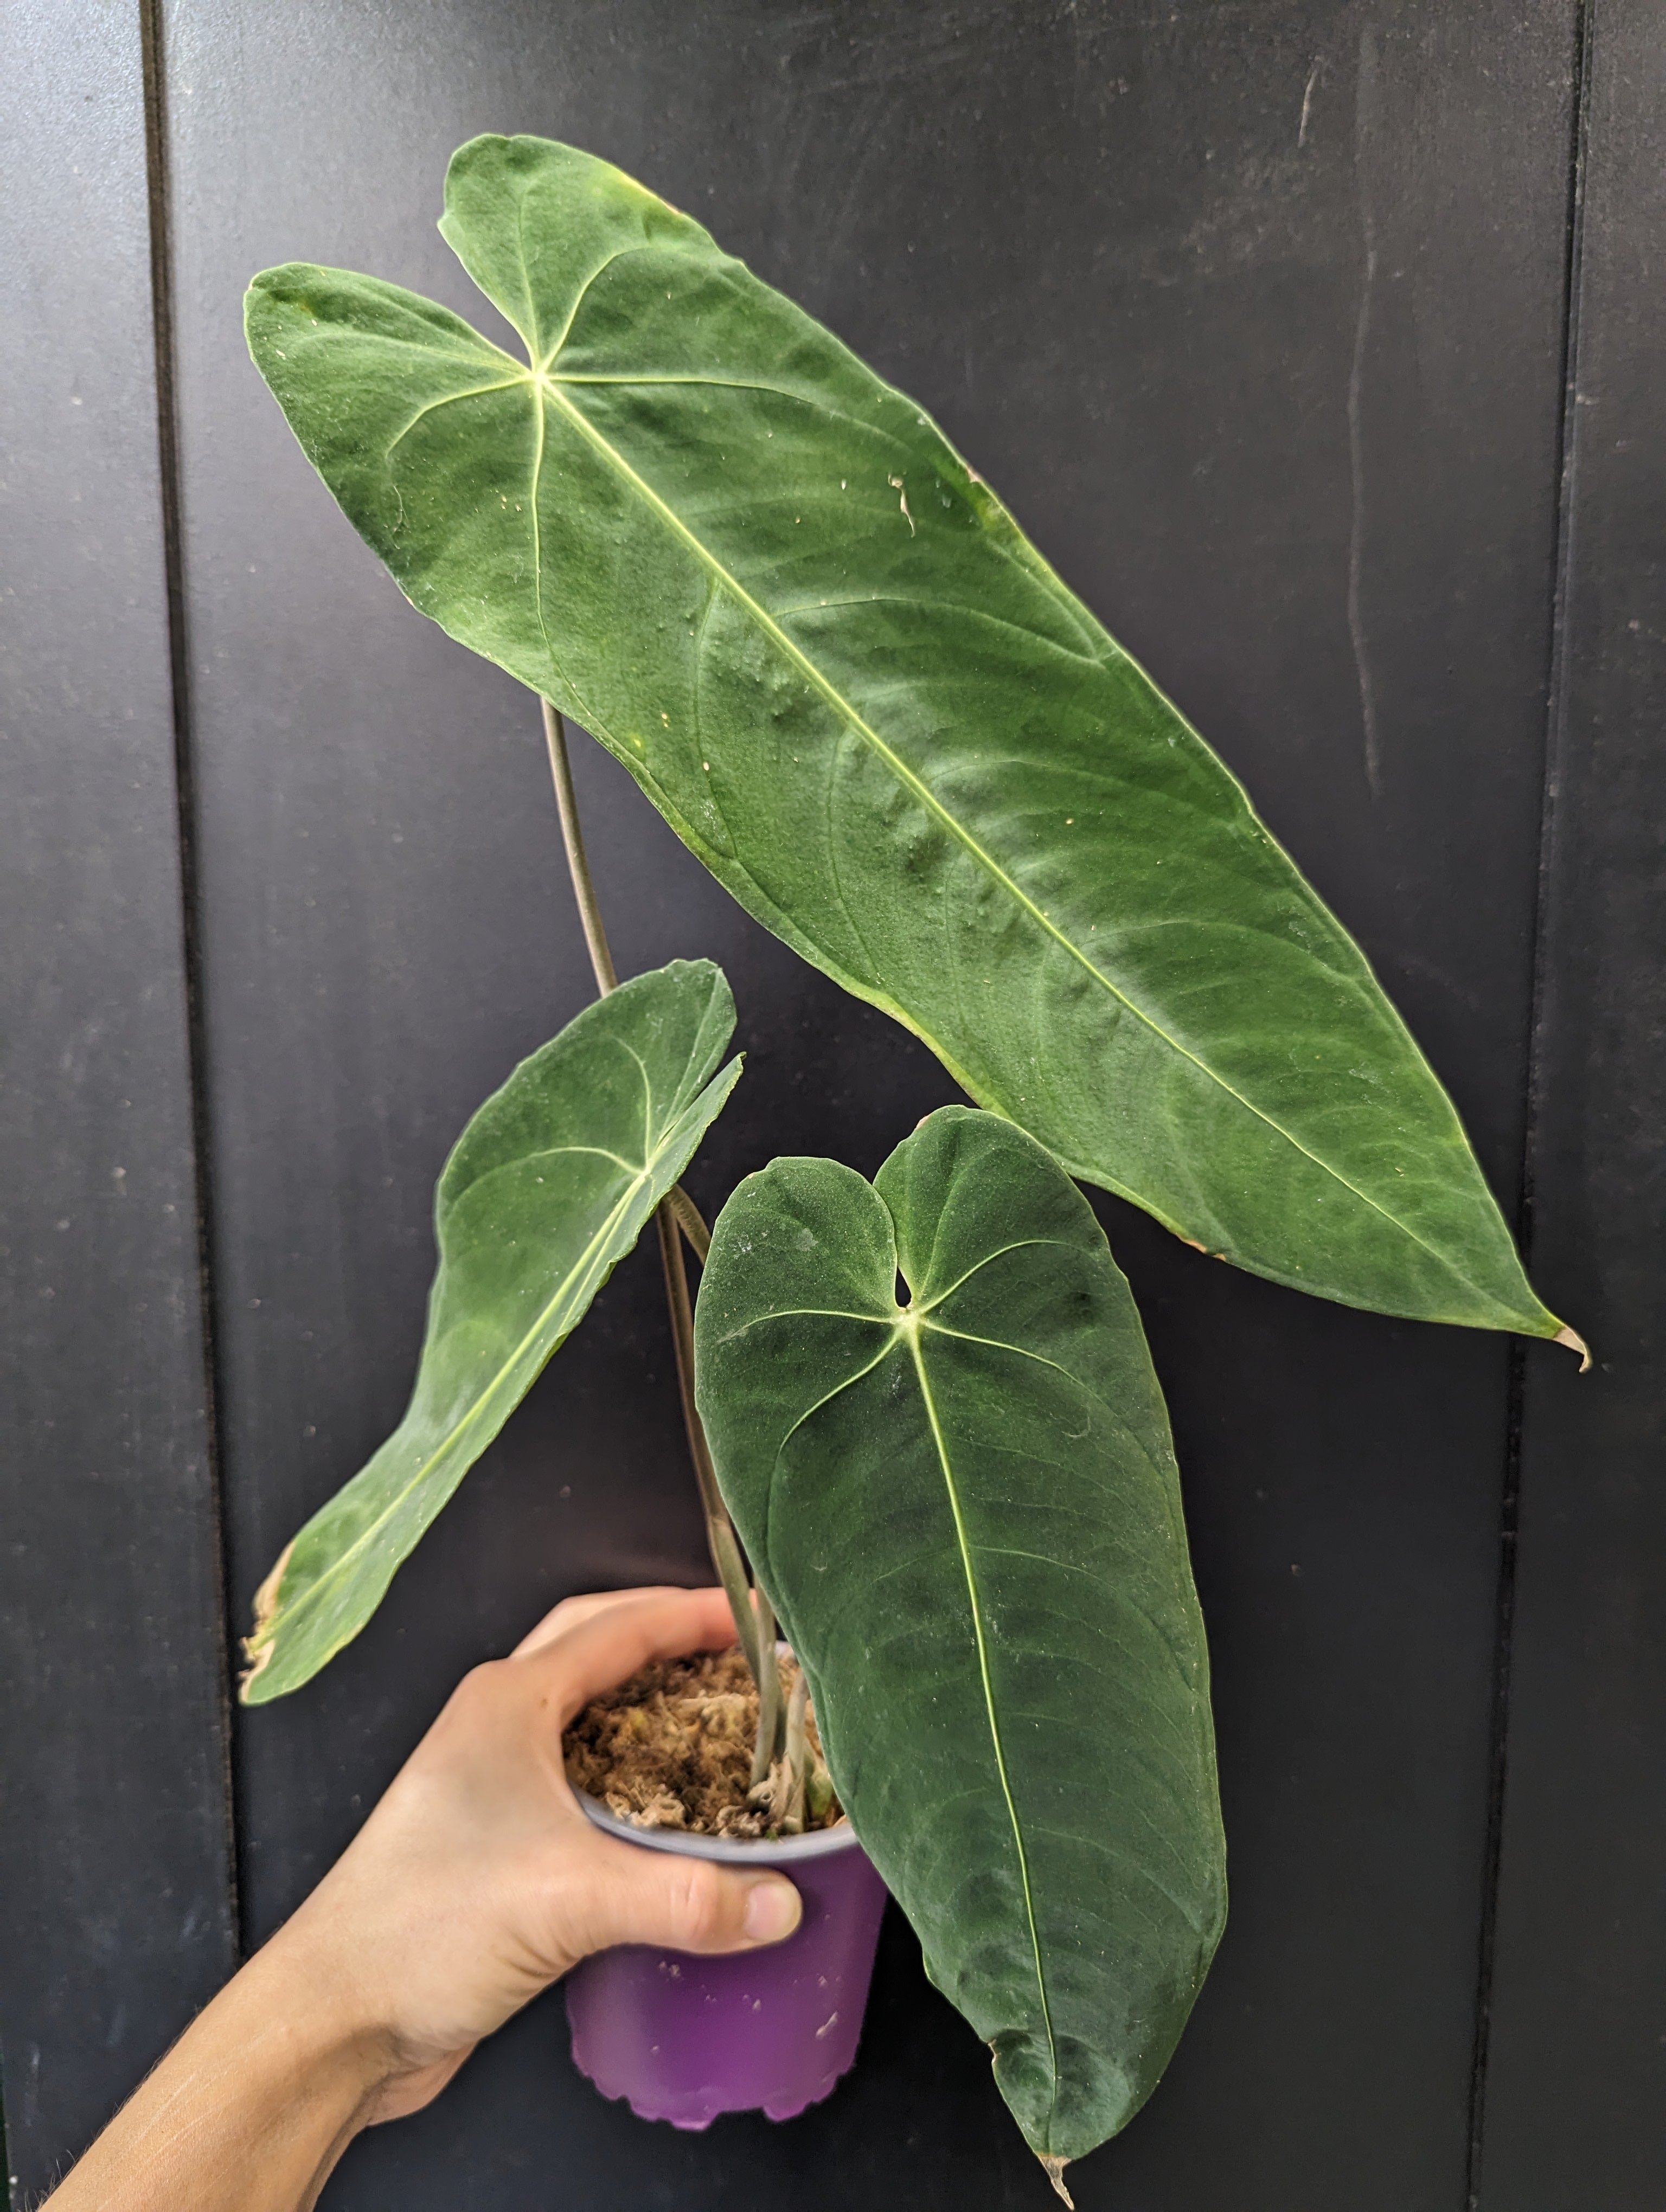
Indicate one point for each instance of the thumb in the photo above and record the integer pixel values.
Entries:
(639, 1895)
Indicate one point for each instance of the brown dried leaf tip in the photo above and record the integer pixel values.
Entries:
(258, 1646)
(1575, 1342)
(1055, 2168)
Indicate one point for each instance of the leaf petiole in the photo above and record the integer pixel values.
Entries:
(769, 1693)
(676, 1213)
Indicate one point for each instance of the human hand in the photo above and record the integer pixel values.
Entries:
(475, 1883)
(477, 1880)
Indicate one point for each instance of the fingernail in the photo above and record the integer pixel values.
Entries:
(773, 1910)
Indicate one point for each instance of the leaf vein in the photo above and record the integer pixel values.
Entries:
(961, 1534)
(929, 801)
(448, 399)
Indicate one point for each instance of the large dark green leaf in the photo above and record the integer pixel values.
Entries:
(766, 581)
(966, 1512)
(547, 1190)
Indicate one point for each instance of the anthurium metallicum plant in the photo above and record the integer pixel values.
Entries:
(926, 1426)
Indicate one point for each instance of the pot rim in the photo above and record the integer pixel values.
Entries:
(752, 1850)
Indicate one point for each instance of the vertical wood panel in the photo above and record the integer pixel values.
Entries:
(115, 1888)
(1256, 314)
(1576, 2110)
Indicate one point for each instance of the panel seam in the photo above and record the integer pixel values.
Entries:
(157, 177)
(1556, 689)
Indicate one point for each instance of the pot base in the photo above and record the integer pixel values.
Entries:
(682, 2037)
(694, 2110)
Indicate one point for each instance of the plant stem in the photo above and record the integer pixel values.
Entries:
(795, 1757)
(768, 1692)
(719, 1529)
(572, 835)
(677, 1211)
(595, 935)
(689, 1222)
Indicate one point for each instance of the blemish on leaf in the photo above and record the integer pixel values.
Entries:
(265, 1598)
(258, 1646)
(1053, 2168)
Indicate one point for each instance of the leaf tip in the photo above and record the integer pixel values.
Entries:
(1053, 2168)
(1575, 1342)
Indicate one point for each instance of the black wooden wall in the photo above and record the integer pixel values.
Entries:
(1318, 345)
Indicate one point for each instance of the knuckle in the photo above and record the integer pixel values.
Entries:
(701, 1904)
(481, 1688)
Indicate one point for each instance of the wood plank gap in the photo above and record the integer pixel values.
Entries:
(1555, 721)
(153, 46)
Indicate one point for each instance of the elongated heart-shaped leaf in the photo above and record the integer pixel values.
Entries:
(771, 587)
(547, 1190)
(966, 1510)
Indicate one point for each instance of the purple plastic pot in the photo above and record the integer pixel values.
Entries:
(682, 2037)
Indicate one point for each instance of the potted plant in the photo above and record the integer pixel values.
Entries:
(922, 1408)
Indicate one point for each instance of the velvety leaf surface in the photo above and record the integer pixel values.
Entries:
(966, 1512)
(548, 1188)
(765, 581)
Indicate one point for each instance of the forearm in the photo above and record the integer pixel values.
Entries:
(250, 2110)
(475, 1883)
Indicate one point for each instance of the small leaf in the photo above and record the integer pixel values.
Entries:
(966, 1510)
(547, 1190)
(766, 581)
